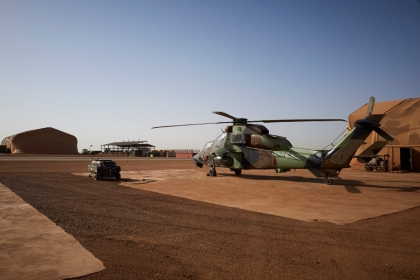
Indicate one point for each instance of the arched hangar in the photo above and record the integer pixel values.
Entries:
(41, 141)
(402, 122)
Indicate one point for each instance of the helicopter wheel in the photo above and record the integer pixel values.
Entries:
(328, 181)
(238, 172)
(212, 172)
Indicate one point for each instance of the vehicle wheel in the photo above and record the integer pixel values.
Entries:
(237, 172)
(328, 181)
(118, 177)
(368, 169)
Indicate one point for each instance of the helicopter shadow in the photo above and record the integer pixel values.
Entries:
(351, 186)
(292, 178)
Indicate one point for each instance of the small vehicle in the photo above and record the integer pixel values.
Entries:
(100, 168)
(378, 163)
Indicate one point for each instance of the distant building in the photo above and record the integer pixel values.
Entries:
(402, 122)
(133, 148)
(41, 141)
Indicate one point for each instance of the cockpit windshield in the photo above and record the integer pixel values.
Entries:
(220, 141)
(207, 146)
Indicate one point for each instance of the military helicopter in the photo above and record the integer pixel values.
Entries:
(244, 146)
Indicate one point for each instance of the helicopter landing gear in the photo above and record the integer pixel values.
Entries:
(328, 181)
(238, 172)
(212, 171)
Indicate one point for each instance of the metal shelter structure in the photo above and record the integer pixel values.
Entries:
(137, 147)
(402, 122)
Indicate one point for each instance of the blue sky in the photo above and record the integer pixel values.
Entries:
(108, 71)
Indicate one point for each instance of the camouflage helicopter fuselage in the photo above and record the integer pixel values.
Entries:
(250, 146)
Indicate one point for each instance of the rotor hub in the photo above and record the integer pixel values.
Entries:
(240, 121)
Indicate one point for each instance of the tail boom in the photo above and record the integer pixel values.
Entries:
(347, 147)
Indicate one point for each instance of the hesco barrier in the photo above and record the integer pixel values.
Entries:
(186, 151)
(3, 149)
(185, 155)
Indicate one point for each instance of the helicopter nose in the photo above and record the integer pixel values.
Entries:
(197, 161)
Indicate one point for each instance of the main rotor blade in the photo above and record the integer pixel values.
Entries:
(301, 120)
(188, 124)
(225, 115)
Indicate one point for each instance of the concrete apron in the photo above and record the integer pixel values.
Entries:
(298, 195)
(33, 247)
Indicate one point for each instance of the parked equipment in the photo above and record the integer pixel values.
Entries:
(378, 163)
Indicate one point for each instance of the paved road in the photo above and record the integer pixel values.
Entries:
(81, 158)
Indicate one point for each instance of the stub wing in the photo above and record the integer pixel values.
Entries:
(371, 151)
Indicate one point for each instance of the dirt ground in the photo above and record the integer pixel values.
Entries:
(142, 234)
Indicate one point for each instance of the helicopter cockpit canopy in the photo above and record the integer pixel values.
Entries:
(220, 140)
(207, 147)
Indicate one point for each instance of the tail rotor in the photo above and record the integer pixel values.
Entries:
(346, 149)
(372, 122)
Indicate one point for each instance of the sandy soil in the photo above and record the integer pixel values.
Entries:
(142, 234)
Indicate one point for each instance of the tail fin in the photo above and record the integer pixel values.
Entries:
(343, 152)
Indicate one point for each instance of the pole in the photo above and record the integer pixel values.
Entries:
(392, 159)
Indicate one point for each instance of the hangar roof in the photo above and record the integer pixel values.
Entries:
(401, 121)
(129, 144)
(45, 140)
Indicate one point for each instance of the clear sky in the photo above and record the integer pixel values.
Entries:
(108, 71)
